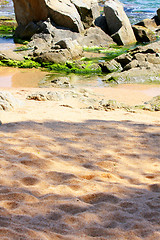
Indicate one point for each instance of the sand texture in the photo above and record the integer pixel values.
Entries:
(70, 173)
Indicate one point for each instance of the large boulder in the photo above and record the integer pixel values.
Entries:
(30, 11)
(118, 23)
(148, 23)
(65, 14)
(88, 10)
(72, 14)
(143, 34)
(95, 36)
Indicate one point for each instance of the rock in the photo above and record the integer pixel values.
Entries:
(152, 105)
(135, 75)
(124, 59)
(148, 23)
(62, 82)
(72, 46)
(147, 57)
(132, 64)
(101, 23)
(69, 14)
(140, 57)
(26, 32)
(155, 103)
(143, 34)
(62, 13)
(7, 101)
(153, 58)
(65, 14)
(30, 11)
(10, 54)
(95, 36)
(158, 13)
(118, 23)
(45, 96)
(88, 11)
(55, 56)
(110, 104)
(110, 66)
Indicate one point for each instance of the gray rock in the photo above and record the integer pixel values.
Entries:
(101, 23)
(88, 10)
(118, 23)
(143, 34)
(110, 66)
(132, 64)
(64, 13)
(110, 104)
(155, 103)
(72, 46)
(45, 96)
(124, 59)
(62, 82)
(148, 23)
(55, 56)
(26, 32)
(95, 36)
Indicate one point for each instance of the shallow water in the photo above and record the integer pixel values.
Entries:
(6, 43)
(140, 9)
(20, 78)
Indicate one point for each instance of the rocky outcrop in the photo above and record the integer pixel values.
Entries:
(88, 11)
(143, 34)
(95, 36)
(118, 23)
(147, 30)
(65, 14)
(141, 64)
(30, 11)
(146, 57)
(73, 14)
(110, 66)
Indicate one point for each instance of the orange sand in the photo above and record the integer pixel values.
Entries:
(70, 173)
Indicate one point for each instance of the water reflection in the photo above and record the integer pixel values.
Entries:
(6, 43)
(6, 81)
(20, 78)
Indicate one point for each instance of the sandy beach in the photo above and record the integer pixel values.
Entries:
(70, 173)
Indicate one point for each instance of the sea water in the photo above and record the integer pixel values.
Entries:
(140, 9)
(6, 8)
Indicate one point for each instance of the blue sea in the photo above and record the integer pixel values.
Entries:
(140, 9)
(135, 9)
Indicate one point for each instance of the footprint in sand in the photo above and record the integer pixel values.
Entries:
(59, 177)
(29, 181)
(99, 197)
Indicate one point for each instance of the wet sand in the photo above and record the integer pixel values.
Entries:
(70, 173)
(20, 78)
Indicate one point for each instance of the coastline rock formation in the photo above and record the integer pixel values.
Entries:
(71, 17)
(75, 15)
(118, 23)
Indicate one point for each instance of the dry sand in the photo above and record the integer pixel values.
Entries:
(70, 173)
